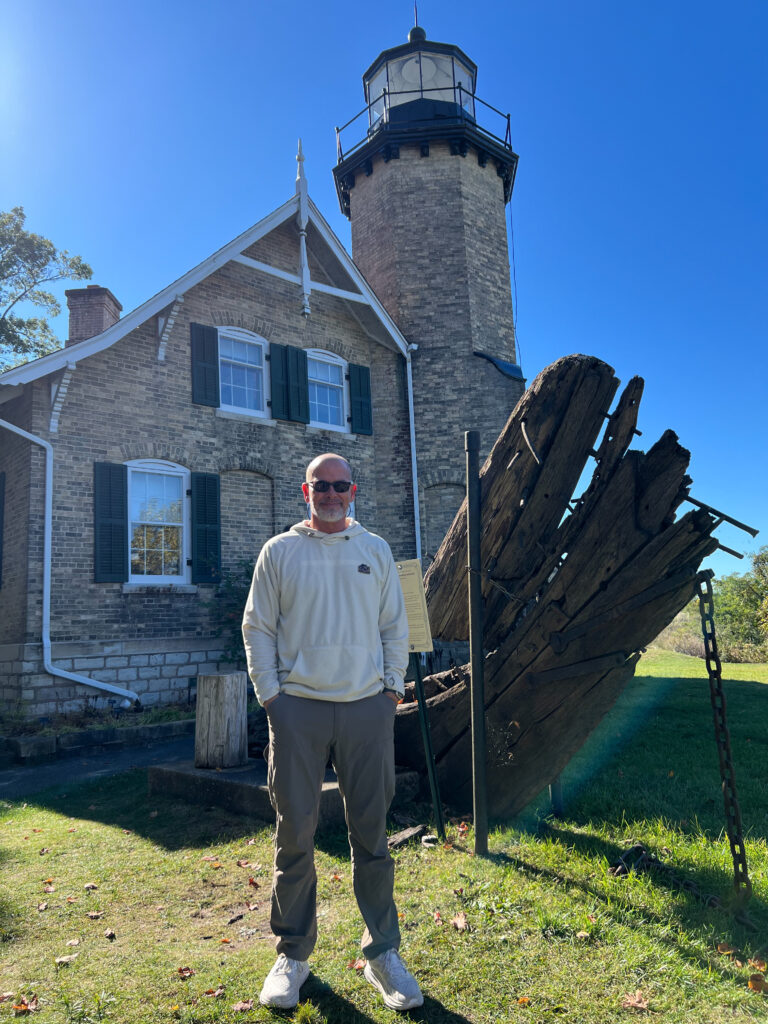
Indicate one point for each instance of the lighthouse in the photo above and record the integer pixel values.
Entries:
(424, 174)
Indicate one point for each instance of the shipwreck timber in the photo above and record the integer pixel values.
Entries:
(572, 589)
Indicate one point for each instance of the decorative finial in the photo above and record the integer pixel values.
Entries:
(300, 169)
(415, 14)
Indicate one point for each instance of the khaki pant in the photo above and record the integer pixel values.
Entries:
(358, 735)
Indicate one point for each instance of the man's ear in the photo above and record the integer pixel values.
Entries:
(305, 491)
(353, 489)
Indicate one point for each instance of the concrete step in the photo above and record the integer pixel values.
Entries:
(244, 790)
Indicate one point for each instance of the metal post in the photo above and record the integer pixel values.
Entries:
(427, 739)
(556, 797)
(479, 801)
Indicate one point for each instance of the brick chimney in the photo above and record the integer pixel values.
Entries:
(91, 311)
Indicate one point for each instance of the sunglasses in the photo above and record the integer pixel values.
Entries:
(321, 486)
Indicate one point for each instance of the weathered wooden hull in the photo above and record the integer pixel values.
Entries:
(572, 592)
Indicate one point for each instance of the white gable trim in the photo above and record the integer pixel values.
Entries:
(69, 356)
(315, 286)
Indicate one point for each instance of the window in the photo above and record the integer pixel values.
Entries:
(327, 391)
(158, 514)
(242, 371)
(155, 523)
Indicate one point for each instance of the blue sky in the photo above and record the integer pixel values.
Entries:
(144, 136)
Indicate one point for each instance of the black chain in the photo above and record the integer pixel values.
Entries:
(741, 881)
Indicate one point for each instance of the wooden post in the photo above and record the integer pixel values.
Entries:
(221, 725)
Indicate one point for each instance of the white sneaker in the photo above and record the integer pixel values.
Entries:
(398, 987)
(282, 984)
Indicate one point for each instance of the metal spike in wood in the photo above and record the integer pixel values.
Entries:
(572, 590)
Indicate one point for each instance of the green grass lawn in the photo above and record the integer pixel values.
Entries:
(552, 936)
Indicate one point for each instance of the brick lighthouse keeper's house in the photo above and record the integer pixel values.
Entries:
(157, 451)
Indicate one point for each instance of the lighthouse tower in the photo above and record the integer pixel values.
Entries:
(424, 174)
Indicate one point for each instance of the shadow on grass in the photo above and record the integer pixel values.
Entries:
(338, 1010)
(123, 801)
(8, 912)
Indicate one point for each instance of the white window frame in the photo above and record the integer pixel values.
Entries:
(163, 468)
(331, 357)
(238, 334)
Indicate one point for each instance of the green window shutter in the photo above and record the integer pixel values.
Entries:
(360, 399)
(206, 528)
(2, 518)
(204, 344)
(289, 383)
(298, 384)
(278, 378)
(110, 522)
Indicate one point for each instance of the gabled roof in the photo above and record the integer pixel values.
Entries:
(369, 312)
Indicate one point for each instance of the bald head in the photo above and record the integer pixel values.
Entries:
(334, 463)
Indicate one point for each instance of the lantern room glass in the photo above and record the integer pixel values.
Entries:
(419, 75)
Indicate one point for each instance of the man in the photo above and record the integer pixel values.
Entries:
(327, 642)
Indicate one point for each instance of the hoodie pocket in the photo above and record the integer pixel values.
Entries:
(333, 668)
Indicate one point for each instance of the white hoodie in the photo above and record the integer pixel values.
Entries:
(325, 616)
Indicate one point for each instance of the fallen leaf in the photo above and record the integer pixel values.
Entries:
(209, 858)
(757, 983)
(62, 961)
(43, 850)
(458, 892)
(71, 899)
(437, 917)
(95, 914)
(109, 934)
(244, 864)
(635, 1002)
(126, 831)
(217, 993)
(463, 828)
(73, 942)
(460, 922)
(725, 949)
(252, 906)
(225, 940)
(335, 878)
(738, 963)
(71, 830)
(357, 965)
(582, 935)
(42, 906)
(252, 881)
(447, 846)
(251, 842)
(4, 996)
(185, 972)
(90, 886)
(49, 889)
(758, 964)
(37, 830)
(592, 918)
(26, 1005)
(243, 1007)
(523, 1001)
(48, 881)
(216, 865)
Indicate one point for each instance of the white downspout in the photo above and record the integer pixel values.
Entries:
(50, 668)
(414, 471)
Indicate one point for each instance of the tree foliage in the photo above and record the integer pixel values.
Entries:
(28, 262)
(741, 611)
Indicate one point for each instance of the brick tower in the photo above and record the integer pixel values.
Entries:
(425, 190)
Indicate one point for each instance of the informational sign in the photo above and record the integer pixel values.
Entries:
(419, 633)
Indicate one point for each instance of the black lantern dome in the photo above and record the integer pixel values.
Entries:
(419, 93)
